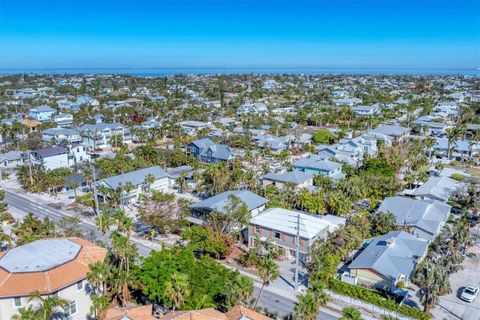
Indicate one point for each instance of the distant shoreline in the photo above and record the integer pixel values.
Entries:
(160, 71)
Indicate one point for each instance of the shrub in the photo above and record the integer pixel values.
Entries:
(374, 298)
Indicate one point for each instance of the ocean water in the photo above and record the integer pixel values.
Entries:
(158, 72)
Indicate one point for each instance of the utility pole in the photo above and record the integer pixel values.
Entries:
(95, 194)
(30, 169)
(297, 251)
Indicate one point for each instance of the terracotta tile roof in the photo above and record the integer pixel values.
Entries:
(47, 282)
(133, 313)
(239, 312)
(204, 314)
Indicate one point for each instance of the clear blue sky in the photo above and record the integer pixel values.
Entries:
(241, 33)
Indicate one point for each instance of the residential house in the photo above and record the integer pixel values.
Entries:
(63, 120)
(52, 268)
(205, 150)
(99, 135)
(437, 188)
(137, 184)
(41, 113)
(347, 102)
(460, 149)
(12, 159)
(130, 313)
(367, 111)
(61, 135)
(425, 218)
(436, 129)
(252, 108)
(219, 202)
(280, 226)
(296, 179)
(318, 165)
(274, 144)
(60, 156)
(389, 133)
(353, 151)
(236, 313)
(388, 260)
(191, 127)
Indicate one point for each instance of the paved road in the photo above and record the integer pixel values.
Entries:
(283, 306)
(88, 228)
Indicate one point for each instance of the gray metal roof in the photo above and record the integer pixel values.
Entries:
(390, 130)
(295, 177)
(136, 177)
(11, 156)
(218, 151)
(439, 188)
(40, 255)
(393, 254)
(220, 201)
(315, 162)
(427, 215)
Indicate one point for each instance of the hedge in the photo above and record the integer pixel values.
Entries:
(374, 298)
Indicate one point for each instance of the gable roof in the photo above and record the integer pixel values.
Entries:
(317, 163)
(203, 314)
(438, 188)
(220, 201)
(427, 215)
(295, 177)
(202, 143)
(136, 177)
(391, 255)
(218, 151)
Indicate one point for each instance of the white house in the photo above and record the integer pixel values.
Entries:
(41, 113)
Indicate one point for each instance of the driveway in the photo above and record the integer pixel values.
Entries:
(450, 306)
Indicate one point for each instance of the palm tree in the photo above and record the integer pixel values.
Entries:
(307, 307)
(97, 276)
(268, 271)
(350, 313)
(48, 306)
(177, 289)
(25, 314)
(103, 222)
(99, 304)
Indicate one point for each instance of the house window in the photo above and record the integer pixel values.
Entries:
(257, 229)
(17, 302)
(277, 235)
(71, 309)
(78, 149)
(80, 285)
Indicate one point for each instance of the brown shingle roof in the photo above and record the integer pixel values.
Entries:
(50, 281)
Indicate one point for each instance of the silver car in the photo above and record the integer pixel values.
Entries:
(469, 293)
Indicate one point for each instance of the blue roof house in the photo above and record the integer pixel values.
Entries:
(318, 165)
(219, 202)
(205, 150)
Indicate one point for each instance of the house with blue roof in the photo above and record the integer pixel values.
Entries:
(460, 149)
(41, 113)
(318, 165)
(388, 260)
(367, 111)
(274, 144)
(205, 150)
(137, 184)
(219, 202)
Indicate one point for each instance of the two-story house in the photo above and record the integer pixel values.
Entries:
(41, 113)
(280, 226)
(205, 150)
(135, 183)
(52, 268)
(318, 165)
(61, 135)
(100, 135)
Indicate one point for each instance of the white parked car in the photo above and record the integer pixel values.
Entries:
(469, 294)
